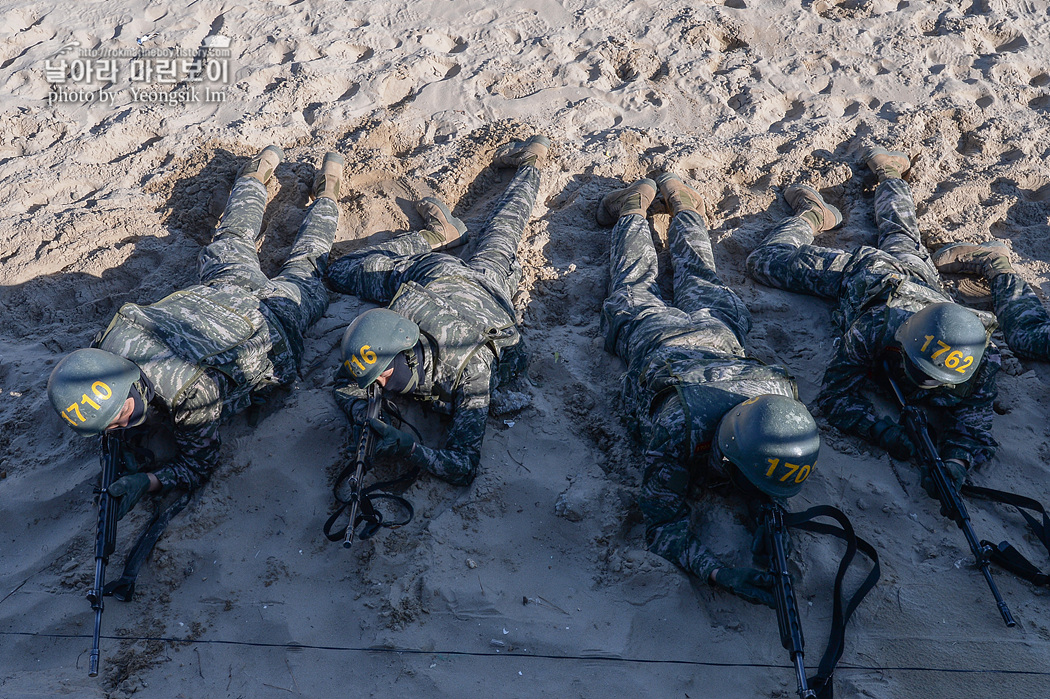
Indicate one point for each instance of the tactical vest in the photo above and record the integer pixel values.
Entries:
(459, 318)
(176, 339)
(708, 386)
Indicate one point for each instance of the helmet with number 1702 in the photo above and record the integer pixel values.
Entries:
(373, 340)
(88, 388)
(944, 341)
(772, 441)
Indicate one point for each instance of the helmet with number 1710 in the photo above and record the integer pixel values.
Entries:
(772, 441)
(88, 388)
(944, 341)
(373, 340)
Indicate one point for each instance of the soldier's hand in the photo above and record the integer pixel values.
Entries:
(391, 441)
(894, 439)
(128, 491)
(956, 474)
(760, 553)
(755, 586)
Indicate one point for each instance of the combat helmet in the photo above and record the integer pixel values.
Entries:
(88, 388)
(373, 340)
(944, 341)
(772, 441)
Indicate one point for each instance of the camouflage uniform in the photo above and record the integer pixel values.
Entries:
(686, 368)
(1026, 323)
(207, 348)
(878, 289)
(465, 312)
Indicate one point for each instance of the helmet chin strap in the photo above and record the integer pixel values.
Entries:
(141, 393)
(408, 371)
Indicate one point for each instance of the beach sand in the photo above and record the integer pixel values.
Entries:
(534, 581)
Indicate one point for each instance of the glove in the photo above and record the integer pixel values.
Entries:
(392, 441)
(956, 472)
(128, 491)
(894, 439)
(752, 585)
(759, 554)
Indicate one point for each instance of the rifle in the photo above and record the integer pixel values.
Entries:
(952, 506)
(365, 447)
(784, 593)
(106, 536)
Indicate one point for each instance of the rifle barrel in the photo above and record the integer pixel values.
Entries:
(951, 503)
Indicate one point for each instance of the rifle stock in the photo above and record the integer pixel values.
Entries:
(784, 592)
(105, 537)
(952, 506)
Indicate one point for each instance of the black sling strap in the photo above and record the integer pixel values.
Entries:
(821, 682)
(124, 587)
(1005, 555)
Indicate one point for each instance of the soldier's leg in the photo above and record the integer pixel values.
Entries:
(297, 294)
(495, 256)
(231, 258)
(1025, 321)
(787, 259)
(711, 305)
(375, 272)
(634, 314)
(899, 229)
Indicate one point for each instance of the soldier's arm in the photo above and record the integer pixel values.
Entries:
(665, 487)
(841, 396)
(968, 436)
(196, 437)
(458, 461)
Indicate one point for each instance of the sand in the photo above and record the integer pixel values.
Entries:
(534, 581)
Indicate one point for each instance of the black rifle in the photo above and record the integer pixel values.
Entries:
(365, 447)
(106, 536)
(784, 593)
(952, 506)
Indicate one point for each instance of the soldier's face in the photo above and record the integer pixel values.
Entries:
(382, 378)
(124, 416)
(917, 377)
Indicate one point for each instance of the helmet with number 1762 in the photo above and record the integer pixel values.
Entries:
(944, 342)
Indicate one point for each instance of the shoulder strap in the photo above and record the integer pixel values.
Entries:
(821, 682)
(1005, 555)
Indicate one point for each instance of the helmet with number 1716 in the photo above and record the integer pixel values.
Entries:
(373, 340)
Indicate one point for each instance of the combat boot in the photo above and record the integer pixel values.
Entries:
(678, 196)
(261, 167)
(630, 200)
(886, 164)
(807, 203)
(988, 259)
(329, 180)
(444, 231)
(533, 151)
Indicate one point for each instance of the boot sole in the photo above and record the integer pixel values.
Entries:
(456, 223)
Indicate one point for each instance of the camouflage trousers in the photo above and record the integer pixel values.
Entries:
(297, 295)
(376, 272)
(703, 311)
(787, 259)
(1024, 319)
(638, 325)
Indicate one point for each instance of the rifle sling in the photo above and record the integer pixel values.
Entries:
(821, 682)
(367, 512)
(124, 587)
(1005, 555)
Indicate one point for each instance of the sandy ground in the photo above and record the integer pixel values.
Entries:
(534, 581)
